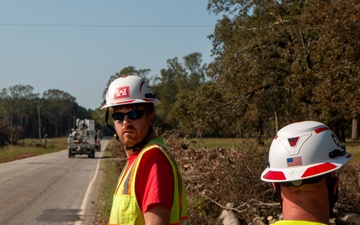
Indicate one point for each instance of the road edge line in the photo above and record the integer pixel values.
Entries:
(83, 205)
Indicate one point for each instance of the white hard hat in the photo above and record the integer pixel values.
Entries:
(129, 90)
(303, 150)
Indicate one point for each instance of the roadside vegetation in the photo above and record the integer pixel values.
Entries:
(112, 164)
(31, 147)
(221, 171)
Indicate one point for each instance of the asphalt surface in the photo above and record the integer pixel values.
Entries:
(50, 189)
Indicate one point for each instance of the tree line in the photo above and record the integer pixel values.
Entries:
(275, 62)
(283, 61)
(25, 114)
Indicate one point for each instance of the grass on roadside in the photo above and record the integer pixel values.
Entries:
(31, 147)
(107, 191)
(352, 147)
(111, 175)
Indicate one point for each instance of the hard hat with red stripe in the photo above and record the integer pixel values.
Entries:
(129, 90)
(304, 150)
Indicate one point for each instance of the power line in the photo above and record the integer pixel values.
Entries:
(102, 25)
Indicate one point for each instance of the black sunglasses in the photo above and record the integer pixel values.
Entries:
(133, 115)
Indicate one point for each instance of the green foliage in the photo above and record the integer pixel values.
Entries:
(24, 114)
(177, 88)
(280, 62)
(107, 191)
(275, 62)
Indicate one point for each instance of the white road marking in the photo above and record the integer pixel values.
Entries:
(87, 193)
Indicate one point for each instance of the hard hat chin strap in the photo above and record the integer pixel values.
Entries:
(278, 194)
(136, 147)
(142, 143)
(109, 126)
(333, 197)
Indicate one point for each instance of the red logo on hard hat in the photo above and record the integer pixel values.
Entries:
(122, 92)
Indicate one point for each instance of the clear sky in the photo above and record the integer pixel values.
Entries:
(76, 45)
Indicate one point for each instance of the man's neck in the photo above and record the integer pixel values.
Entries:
(314, 210)
(130, 152)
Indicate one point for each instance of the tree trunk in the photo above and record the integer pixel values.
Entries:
(276, 122)
(355, 127)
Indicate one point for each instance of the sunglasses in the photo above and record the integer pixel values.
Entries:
(132, 115)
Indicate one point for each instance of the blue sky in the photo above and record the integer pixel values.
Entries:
(76, 45)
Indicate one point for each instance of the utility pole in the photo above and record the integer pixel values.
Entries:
(11, 121)
(39, 120)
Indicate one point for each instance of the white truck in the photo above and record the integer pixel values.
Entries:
(82, 140)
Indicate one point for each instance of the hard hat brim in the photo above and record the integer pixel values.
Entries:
(129, 102)
(303, 172)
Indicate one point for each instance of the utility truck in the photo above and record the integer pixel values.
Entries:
(82, 139)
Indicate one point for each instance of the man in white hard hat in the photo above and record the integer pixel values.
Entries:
(150, 188)
(304, 159)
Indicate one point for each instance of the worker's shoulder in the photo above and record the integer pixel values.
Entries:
(153, 151)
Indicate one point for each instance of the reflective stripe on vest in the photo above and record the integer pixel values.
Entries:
(125, 209)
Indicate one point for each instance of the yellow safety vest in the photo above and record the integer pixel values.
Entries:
(296, 222)
(125, 209)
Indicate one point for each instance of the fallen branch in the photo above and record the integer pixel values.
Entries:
(246, 204)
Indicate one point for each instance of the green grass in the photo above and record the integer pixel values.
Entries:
(352, 147)
(216, 142)
(108, 186)
(31, 147)
(107, 191)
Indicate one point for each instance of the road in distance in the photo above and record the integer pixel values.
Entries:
(47, 189)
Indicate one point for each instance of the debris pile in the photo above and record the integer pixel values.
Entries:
(224, 184)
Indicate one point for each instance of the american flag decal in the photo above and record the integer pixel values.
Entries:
(294, 161)
(293, 141)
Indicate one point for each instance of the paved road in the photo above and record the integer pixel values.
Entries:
(49, 189)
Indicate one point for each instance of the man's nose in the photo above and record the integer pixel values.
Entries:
(126, 119)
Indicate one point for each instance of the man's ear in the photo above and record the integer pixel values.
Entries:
(151, 118)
